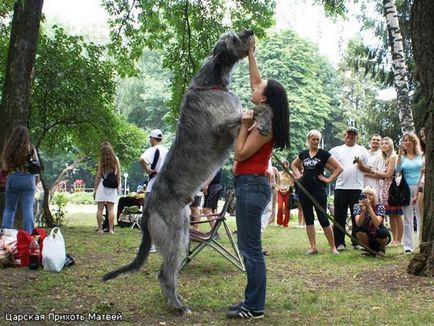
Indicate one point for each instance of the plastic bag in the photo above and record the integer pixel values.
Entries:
(53, 252)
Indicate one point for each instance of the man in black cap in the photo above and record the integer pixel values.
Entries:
(354, 159)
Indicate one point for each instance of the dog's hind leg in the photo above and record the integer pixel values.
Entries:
(173, 252)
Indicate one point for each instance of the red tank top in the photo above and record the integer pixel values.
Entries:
(257, 163)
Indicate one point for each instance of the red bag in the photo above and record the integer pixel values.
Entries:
(3, 178)
(23, 243)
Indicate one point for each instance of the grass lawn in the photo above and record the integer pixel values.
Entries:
(302, 290)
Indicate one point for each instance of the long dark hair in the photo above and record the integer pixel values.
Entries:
(278, 101)
(17, 148)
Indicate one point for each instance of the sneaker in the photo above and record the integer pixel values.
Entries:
(357, 247)
(235, 306)
(153, 249)
(243, 313)
(340, 247)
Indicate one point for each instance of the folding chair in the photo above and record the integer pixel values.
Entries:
(210, 239)
(133, 214)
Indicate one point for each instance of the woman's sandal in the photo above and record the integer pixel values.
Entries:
(311, 252)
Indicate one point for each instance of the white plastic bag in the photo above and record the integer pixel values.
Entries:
(53, 251)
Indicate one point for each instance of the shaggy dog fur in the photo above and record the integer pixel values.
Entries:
(207, 127)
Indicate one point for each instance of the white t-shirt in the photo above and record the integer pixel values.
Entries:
(351, 177)
(376, 162)
(148, 157)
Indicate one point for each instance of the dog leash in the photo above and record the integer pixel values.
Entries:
(322, 210)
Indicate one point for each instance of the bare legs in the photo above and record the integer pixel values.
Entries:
(195, 212)
(99, 217)
(300, 215)
(397, 228)
(111, 216)
(328, 232)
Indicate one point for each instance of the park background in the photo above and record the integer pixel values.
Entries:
(92, 84)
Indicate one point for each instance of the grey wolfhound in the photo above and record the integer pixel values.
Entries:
(207, 127)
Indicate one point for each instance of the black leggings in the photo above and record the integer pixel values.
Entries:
(320, 195)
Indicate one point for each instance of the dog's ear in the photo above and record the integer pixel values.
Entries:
(219, 49)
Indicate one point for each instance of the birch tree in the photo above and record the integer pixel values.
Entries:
(399, 66)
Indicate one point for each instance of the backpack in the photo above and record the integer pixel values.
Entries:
(110, 181)
(399, 195)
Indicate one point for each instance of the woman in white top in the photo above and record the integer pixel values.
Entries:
(108, 162)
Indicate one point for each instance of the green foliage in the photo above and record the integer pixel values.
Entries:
(307, 78)
(72, 100)
(361, 106)
(185, 31)
(81, 198)
(144, 99)
(60, 199)
(335, 7)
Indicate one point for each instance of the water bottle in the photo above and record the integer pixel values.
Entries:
(34, 253)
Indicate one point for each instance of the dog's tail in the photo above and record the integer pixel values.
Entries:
(141, 256)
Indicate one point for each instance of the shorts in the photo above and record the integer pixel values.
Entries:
(212, 196)
(196, 201)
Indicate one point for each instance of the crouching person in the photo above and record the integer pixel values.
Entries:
(369, 216)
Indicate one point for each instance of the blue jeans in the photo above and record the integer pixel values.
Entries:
(19, 187)
(253, 194)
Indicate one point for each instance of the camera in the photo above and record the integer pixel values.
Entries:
(363, 196)
(356, 158)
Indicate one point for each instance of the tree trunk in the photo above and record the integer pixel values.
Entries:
(422, 26)
(15, 100)
(399, 67)
(48, 217)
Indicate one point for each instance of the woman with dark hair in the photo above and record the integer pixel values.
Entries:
(253, 148)
(106, 196)
(20, 184)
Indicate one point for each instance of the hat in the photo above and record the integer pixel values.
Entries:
(156, 133)
(352, 129)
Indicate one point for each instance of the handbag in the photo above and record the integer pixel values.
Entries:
(110, 181)
(34, 165)
(53, 252)
(3, 178)
(399, 194)
(292, 203)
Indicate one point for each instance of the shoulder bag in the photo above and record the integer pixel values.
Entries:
(399, 194)
(110, 181)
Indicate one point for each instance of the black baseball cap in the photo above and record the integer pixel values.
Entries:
(353, 130)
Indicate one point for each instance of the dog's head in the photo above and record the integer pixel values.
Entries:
(233, 46)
